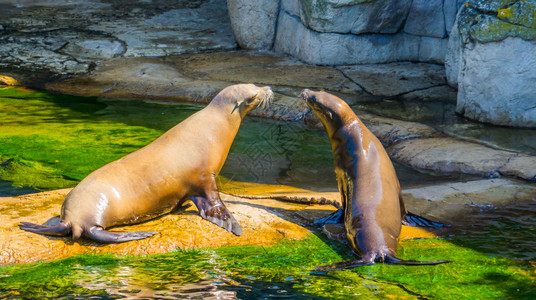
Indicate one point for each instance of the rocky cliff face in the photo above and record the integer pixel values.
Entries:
(336, 32)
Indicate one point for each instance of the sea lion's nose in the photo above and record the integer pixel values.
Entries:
(305, 94)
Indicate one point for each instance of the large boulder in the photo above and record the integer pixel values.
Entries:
(491, 58)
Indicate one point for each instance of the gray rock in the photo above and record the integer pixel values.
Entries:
(396, 78)
(450, 155)
(495, 86)
(426, 18)
(498, 87)
(455, 199)
(98, 49)
(354, 16)
(294, 38)
(453, 56)
(291, 7)
(450, 9)
(253, 22)
(391, 131)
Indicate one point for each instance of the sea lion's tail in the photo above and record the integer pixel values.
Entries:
(392, 260)
(60, 229)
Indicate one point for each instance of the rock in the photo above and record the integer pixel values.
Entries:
(456, 200)
(396, 79)
(453, 56)
(494, 86)
(293, 38)
(426, 18)
(253, 22)
(94, 49)
(291, 7)
(69, 38)
(354, 16)
(448, 155)
(390, 131)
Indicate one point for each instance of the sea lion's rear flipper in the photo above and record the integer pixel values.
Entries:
(51, 227)
(214, 210)
(397, 261)
(334, 218)
(411, 219)
(342, 266)
(98, 234)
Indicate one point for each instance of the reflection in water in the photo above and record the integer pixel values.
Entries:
(500, 231)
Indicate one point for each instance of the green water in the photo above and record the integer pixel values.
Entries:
(53, 141)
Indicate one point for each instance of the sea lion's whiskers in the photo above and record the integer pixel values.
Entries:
(266, 100)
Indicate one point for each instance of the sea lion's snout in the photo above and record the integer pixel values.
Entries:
(305, 94)
(266, 97)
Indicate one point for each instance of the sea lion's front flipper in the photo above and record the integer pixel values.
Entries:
(411, 219)
(212, 209)
(51, 227)
(342, 265)
(334, 218)
(98, 234)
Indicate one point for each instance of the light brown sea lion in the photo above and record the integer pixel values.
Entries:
(181, 164)
(372, 207)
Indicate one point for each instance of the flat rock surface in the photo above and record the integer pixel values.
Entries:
(452, 155)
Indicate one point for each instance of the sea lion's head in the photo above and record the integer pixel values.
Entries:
(241, 98)
(332, 111)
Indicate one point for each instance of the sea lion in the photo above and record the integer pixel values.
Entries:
(181, 164)
(372, 207)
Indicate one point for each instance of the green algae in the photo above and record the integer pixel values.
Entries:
(281, 269)
(54, 141)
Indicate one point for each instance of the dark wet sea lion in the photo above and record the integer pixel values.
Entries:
(372, 206)
(181, 164)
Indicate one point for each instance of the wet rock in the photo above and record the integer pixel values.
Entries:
(450, 155)
(253, 22)
(97, 49)
(391, 131)
(452, 201)
(396, 79)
